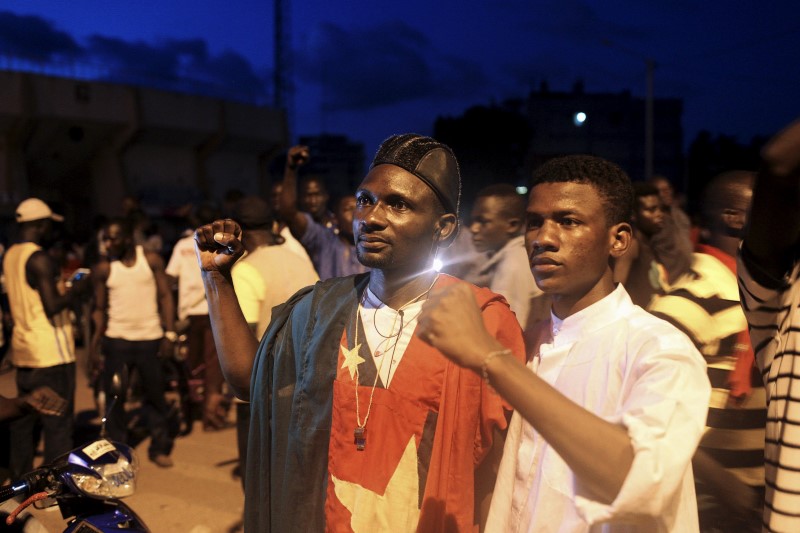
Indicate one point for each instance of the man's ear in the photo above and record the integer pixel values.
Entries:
(446, 229)
(514, 226)
(620, 236)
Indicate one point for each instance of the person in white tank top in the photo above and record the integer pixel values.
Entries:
(134, 315)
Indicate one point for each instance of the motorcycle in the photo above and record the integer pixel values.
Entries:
(86, 484)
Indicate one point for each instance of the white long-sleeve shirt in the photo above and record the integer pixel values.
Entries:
(631, 369)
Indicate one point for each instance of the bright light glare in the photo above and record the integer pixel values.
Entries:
(579, 118)
(522, 190)
(437, 264)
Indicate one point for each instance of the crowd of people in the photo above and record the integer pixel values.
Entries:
(586, 358)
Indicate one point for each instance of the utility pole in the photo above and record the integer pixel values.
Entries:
(282, 77)
(648, 122)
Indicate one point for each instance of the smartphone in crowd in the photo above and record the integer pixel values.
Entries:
(78, 275)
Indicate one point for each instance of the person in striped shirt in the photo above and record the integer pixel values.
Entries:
(704, 304)
(769, 282)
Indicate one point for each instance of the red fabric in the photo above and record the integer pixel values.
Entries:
(425, 381)
(739, 377)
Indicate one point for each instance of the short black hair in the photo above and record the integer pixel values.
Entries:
(609, 179)
(723, 187)
(644, 188)
(125, 225)
(513, 202)
(313, 178)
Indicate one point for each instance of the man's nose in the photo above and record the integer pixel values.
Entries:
(372, 215)
(546, 236)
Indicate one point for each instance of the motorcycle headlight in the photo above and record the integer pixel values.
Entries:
(111, 480)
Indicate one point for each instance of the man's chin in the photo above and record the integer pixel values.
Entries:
(373, 261)
(545, 283)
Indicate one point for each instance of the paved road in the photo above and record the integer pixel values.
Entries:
(198, 495)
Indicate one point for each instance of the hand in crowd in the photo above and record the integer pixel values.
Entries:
(218, 245)
(81, 286)
(297, 156)
(46, 401)
(167, 348)
(451, 322)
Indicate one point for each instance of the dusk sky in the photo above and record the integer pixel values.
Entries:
(371, 69)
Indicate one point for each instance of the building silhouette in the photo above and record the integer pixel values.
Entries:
(84, 145)
(608, 125)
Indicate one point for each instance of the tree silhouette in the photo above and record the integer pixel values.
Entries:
(490, 144)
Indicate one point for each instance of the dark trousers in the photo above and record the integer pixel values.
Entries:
(57, 430)
(143, 356)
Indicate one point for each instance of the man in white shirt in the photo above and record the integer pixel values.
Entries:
(613, 401)
(193, 308)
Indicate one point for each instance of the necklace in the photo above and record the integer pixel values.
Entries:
(360, 431)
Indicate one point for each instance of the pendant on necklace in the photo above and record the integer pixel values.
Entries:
(360, 438)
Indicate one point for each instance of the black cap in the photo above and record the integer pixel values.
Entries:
(429, 160)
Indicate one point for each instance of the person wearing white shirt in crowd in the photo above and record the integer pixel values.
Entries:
(613, 401)
(193, 308)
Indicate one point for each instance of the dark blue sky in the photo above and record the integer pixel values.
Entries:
(370, 69)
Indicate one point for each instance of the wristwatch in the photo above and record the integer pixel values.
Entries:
(171, 336)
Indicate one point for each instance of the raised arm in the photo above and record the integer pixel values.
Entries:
(287, 199)
(451, 322)
(218, 246)
(773, 232)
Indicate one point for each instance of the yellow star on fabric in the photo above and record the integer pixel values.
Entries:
(351, 359)
(397, 508)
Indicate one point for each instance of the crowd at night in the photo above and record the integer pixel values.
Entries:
(518, 290)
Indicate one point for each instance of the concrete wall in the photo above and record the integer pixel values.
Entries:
(82, 145)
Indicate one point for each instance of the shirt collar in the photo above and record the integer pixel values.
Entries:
(596, 316)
